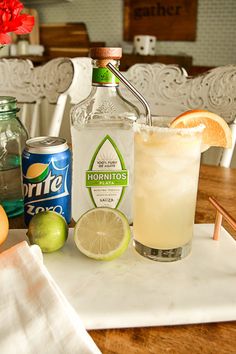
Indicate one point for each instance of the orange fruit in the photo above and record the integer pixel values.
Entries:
(4, 225)
(216, 132)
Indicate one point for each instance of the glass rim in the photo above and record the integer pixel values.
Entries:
(141, 127)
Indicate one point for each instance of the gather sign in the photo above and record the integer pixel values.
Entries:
(165, 19)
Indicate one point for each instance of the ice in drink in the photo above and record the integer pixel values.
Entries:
(166, 169)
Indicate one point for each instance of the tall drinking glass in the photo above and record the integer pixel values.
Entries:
(166, 170)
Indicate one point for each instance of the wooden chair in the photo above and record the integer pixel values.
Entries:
(170, 91)
(41, 92)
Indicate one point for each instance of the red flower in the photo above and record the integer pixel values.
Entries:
(11, 20)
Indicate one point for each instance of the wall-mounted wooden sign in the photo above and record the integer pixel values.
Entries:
(170, 20)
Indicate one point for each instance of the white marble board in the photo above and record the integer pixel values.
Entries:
(135, 292)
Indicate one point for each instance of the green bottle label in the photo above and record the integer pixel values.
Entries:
(107, 176)
(104, 76)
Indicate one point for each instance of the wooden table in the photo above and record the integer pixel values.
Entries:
(215, 338)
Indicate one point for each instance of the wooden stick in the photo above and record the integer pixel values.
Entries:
(218, 223)
(221, 212)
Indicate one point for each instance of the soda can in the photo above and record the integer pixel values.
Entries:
(46, 167)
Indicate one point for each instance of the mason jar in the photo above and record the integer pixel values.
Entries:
(13, 136)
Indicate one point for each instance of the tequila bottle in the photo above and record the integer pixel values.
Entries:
(102, 142)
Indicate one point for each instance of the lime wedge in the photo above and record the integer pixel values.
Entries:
(102, 233)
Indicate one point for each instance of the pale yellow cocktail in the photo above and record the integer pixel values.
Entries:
(166, 169)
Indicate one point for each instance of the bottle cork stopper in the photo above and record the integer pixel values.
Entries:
(106, 53)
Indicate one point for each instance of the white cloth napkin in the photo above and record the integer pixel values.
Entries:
(35, 316)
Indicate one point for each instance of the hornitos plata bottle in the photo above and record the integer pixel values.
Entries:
(102, 142)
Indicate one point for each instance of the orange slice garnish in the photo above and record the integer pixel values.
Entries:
(216, 132)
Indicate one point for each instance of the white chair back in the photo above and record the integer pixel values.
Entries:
(170, 91)
(40, 91)
(50, 89)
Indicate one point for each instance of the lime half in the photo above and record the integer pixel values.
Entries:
(102, 233)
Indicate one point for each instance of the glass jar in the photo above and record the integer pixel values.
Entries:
(13, 136)
(23, 45)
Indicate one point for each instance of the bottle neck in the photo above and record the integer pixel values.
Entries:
(102, 76)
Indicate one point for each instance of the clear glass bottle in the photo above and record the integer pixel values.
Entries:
(12, 141)
(102, 142)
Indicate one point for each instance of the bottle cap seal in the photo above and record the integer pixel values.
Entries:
(106, 53)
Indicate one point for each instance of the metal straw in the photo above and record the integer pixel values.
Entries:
(133, 90)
